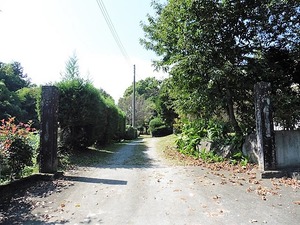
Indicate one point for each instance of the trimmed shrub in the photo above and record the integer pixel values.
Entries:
(86, 116)
(121, 124)
(20, 155)
(82, 114)
(158, 128)
(161, 131)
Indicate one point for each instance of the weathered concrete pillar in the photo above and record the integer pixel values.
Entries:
(264, 126)
(48, 139)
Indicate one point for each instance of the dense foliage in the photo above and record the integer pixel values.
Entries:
(17, 95)
(146, 92)
(87, 116)
(215, 51)
(158, 128)
(18, 114)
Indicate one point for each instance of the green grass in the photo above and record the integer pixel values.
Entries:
(166, 148)
(166, 142)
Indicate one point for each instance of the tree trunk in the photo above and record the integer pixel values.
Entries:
(230, 111)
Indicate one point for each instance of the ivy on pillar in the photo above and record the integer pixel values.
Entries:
(49, 126)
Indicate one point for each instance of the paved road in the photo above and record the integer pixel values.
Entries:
(139, 187)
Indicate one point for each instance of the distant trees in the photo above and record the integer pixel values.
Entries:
(13, 76)
(146, 91)
(152, 101)
(17, 94)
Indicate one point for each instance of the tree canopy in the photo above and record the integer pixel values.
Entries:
(17, 94)
(215, 51)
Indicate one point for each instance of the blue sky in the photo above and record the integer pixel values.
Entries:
(42, 35)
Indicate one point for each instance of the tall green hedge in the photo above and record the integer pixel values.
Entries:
(85, 116)
(114, 124)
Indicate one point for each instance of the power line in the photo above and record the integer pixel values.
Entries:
(112, 29)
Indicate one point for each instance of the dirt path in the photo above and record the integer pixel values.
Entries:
(137, 186)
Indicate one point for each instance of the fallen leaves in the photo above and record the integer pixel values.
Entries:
(294, 183)
(249, 172)
(297, 202)
(223, 182)
(216, 197)
(249, 189)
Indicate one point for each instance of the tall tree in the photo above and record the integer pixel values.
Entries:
(208, 47)
(71, 68)
(12, 79)
(164, 104)
(13, 76)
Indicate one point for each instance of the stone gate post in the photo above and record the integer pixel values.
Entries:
(49, 126)
(264, 126)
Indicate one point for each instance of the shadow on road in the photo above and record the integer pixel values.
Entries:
(129, 155)
(95, 180)
(16, 209)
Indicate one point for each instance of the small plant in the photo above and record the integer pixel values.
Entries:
(239, 158)
(210, 156)
(15, 149)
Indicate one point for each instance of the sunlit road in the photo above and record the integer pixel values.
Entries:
(136, 186)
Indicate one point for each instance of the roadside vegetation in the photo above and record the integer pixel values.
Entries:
(168, 148)
(19, 146)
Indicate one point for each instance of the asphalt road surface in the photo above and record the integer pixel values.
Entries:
(138, 186)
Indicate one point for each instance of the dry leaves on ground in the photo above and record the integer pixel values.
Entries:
(218, 167)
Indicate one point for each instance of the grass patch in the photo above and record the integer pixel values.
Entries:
(166, 142)
(89, 156)
(166, 147)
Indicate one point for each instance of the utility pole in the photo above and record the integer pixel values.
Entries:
(133, 99)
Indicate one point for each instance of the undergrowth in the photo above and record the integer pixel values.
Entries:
(193, 133)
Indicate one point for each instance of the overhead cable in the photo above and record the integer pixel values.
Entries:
(112, 29)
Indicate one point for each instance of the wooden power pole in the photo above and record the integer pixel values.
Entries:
(133, 99)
